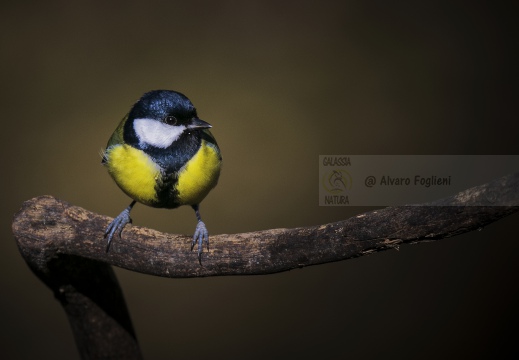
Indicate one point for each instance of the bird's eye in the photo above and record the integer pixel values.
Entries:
(170, 120)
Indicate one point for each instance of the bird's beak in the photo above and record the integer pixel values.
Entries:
(199, 124)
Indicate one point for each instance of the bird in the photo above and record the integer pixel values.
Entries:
(163, 155)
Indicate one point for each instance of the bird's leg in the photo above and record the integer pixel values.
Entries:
(117, 225)
(201, 235)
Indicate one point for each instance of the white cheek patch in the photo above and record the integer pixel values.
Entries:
(154, 133)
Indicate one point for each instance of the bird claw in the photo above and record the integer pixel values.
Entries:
(116, 226)
(201, 235)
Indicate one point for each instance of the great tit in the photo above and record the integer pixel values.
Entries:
(162, 155)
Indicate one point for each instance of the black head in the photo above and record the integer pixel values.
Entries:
(161, 104)
(161, 118)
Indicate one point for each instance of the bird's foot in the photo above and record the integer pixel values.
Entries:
(116, 226)
(201, 235)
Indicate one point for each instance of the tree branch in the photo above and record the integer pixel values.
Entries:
(64, 245)
(46, 227)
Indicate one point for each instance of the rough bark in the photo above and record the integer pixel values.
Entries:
(64, 245)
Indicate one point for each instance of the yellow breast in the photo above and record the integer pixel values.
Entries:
(134, 172)
(199, 175)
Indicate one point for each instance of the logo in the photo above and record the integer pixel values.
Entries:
(336, 181)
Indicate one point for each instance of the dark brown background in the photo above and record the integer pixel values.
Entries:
(281, 82)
